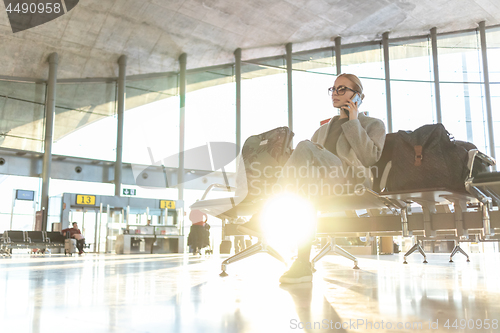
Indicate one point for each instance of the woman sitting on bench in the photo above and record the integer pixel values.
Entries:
(349, 143)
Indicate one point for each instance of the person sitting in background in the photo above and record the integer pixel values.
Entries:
(76, 234)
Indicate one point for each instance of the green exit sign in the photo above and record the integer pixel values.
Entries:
(129, 191)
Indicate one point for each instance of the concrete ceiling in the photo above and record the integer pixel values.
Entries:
(153, 33)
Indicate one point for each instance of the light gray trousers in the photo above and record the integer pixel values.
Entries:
(313, 171)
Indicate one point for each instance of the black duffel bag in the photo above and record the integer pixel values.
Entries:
(427, 158)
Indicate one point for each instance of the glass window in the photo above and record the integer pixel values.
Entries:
(493, 51)
(18, 214)
(264, 99)
(315, 62)
(364, 61)
(151, 121)
(22, 111)
(85, 122)
(313, 74)
(412, 84)
(367, 63)
(460, 57)
(464, 115)
(493, 45)
(55, 205)
(495, 107)
(210, 112)
(462, 89)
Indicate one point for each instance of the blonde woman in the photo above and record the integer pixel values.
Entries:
(338, 156)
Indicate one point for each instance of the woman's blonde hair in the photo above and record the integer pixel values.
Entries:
(357, 83)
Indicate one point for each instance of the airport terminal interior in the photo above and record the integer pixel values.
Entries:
(131, 118)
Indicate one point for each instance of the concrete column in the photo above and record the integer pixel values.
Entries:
(487, 94)
(385, 44)
(338, 54)
(237, 74)
(182, 125)
(122, 63)
(50, 110)
(437, 90)
(289, 70)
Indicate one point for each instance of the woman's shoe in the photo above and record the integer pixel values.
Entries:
(299, 272)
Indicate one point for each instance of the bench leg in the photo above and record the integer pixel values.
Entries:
(340, 251)
(323, 252)
(256, 248)
(331, 246)
(456, 250)
(418, 248)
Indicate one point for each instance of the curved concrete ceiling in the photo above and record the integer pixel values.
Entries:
(153, 33)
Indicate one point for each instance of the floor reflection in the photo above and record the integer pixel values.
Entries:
(183, 293)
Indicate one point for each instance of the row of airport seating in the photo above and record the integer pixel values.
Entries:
(39, 240)
(427, 214)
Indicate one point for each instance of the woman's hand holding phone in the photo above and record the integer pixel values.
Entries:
(351, 108)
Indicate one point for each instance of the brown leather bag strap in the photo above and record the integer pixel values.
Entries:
(418, 155)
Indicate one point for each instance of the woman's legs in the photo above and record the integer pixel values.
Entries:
(311, 171)
(304, 252)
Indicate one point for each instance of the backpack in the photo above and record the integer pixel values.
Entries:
(261, 159)
(427, 158)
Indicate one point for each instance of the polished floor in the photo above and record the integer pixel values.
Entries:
(184, 293)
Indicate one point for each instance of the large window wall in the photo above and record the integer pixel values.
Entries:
(151, 128)
(264, 101)
(367, 63)
(412, 84)
(313, 74)
(151, 120)
(493, 43)
(462, 88)
(22, 114)
(210, 112)
(86, 122)
(18, 214)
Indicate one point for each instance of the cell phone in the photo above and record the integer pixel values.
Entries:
(357, 98)
(354, 99)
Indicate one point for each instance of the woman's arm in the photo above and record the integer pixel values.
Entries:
(367, 142)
